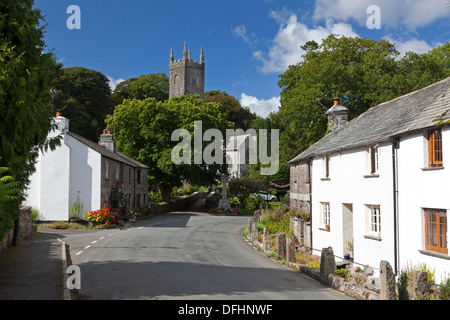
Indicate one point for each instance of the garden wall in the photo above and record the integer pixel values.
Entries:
(25, 229)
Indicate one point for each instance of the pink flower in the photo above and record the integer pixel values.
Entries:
(78, 191)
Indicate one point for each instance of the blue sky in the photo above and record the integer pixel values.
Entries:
(247, 43)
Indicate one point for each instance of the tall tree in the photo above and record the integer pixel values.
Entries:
(26, 73)
(362, 72)
(144, 130)
(84, 97)
(154, 85)
(232, 109)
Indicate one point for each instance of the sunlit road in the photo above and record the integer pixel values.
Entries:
(186, 256)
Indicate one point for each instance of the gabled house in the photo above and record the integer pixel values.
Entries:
(84, 169)
(378, 187)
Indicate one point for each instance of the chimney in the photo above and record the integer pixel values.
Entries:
(337, 115)
(107, 141)
(61, 122)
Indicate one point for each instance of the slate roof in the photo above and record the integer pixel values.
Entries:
(408, 113)
(117, 156)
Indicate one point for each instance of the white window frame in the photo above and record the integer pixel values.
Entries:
(326, 167)
(373, 221)
(373, 160)
(325, 214)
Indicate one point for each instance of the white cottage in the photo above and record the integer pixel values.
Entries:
(85, 169)
(381, 183)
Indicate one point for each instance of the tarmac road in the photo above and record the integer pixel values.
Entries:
(188, 256)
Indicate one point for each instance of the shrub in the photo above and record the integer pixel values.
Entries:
(402, 286)
(444, 290)
(254, 202)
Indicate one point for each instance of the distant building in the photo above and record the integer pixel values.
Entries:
(378, 186)
(80, 167)
(186, 76)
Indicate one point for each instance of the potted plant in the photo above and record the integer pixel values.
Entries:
(348, 249)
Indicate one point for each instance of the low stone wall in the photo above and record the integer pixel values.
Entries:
(179, 205)
(25, 229)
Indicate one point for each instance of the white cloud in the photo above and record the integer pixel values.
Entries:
(259, 106)
(114, 82)
(414, 45)
(394, 13)
(285, 49)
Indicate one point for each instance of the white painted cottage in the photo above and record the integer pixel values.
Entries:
(80, 167)
(382, 183)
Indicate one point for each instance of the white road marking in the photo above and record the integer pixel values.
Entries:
(94, 241)
(87, 247)
(78, 253)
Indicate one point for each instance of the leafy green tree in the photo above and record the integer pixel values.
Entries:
(144, 130)
(84, 97)
(26, 73)
(155, 85)
(232, 109)
(362, 72)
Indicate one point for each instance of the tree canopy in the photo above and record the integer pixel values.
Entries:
(232, 109)
(155, 85)
(26, 73)
(362, 72)
(144, 129)
(84, 97)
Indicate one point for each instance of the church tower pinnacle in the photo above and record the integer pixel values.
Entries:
(186, 76)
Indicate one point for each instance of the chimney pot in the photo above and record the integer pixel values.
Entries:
(337, 115)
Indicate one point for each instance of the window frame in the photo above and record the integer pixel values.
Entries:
(325, 215)
(439, 237)
(435, 150)
(106, 170)
(326, 167)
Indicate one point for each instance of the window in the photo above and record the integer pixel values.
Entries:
(117, 172)
(373, 222)
(106, 170)
(326, 167)
(436, 230)
(373, 153)
(435, 148)
(372, 161)
(325, 215)
(138, 175)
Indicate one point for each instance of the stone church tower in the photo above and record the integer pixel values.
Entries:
(186, 76)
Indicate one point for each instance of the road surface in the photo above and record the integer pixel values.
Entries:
(189, 256)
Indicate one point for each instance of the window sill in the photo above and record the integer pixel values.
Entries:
(370, 237)
(324, 229)
(325, 179)
(435, 254)
(432, 168)
(372, 175)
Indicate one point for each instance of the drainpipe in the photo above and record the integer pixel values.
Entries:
(395, 147)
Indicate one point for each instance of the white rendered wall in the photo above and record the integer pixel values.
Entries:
(420, 188)
(347, 185)
(85, 176)
(60, 173)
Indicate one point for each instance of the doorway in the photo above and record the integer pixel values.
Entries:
(347, 228)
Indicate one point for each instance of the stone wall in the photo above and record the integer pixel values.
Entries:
(300, 187)
(25, 229)
(302, 231)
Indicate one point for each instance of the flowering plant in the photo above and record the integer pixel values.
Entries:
(104, 216)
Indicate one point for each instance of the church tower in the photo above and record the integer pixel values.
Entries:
(186, 76)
